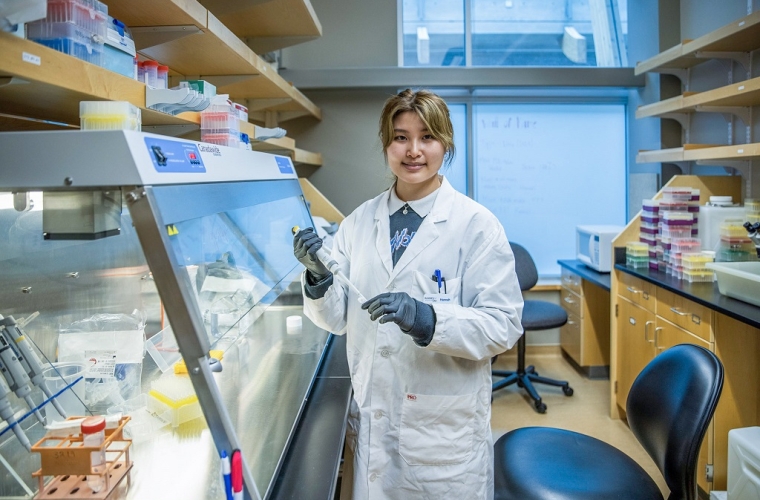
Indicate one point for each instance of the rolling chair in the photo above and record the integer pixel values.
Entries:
(669, 408)
(537, 315)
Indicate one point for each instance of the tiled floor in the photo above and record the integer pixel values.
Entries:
(586, 411)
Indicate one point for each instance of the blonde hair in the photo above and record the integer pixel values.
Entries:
(431, 109)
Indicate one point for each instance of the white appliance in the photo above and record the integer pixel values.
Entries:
(744, 463)
(593, 246)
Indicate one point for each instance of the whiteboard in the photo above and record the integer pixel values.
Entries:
(543, 169)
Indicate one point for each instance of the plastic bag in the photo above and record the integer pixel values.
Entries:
(113, 347)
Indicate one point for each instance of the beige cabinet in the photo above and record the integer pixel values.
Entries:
(658, 320)
(585, 338)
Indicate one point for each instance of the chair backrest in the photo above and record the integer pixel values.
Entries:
(527, 273)
(669, 408)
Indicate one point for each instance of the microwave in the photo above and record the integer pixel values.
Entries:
(593, 246)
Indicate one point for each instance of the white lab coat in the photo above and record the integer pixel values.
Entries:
(421, 416)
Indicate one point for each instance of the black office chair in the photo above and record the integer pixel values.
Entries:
(669, 408)
(537, 315)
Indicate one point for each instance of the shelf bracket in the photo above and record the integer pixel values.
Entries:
(680, 73)
(740, 57)
(11, 80)
(682, 118)
(146, 37)
(741, 112)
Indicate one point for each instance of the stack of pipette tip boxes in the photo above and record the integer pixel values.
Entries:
(669, 229)
(735, 244)
(74, 27)
(109, 115)
(220, 123)
(173, 397)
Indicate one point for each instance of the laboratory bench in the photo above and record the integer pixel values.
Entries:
(654, 311)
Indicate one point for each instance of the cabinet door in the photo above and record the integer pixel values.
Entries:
(570, 337)
(666, 336)
(637, 291)
(635, 346)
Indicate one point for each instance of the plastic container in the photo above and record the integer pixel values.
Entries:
(90, 15)
(163, 77)
(220, 124)
(61, 375)
(109, 115)
(739, 280)
(119, 49)
(150, 73)
(163, 348)
(636, 249)
(93, 434)
(174, 396)
(698, 275)
(69, 39)
(710, 220)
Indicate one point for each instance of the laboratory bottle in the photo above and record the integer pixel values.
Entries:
(93, 434)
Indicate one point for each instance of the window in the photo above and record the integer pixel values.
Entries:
(514, 32)
(543, 168)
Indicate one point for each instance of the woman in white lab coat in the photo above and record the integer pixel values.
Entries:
(443, 298)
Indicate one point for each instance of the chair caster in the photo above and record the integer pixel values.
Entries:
(540, 407)
(567, 390)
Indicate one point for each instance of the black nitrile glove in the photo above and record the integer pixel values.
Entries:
(413, 317)
(305, 246)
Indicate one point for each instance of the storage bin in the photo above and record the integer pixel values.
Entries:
(739, 280)
(119, 49)
(69, 39)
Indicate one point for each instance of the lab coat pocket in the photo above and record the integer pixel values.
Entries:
(437, 430)
(426, 290)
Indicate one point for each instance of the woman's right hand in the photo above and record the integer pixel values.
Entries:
(306, 243)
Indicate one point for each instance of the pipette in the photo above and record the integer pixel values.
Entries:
(333, 267)
(29, 359)
(6, 413)
(15, 375)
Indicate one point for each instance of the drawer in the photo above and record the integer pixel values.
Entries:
(571, 281)
(638, 291)
(570, 337)
(687, 314)
(571, 302)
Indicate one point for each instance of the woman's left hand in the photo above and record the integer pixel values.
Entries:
(398, 307)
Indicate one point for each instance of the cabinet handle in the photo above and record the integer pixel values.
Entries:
(569, 300)
(646, 330)
(675, 310)
(633, 290)
(656, 330)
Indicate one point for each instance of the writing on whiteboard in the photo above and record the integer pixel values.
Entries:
(509, 122)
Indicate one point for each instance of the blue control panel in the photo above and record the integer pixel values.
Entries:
(284, 164)
(174, 156)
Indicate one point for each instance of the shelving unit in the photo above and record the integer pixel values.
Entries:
(734, 41)
(195, 43)
(40, 88)
(264, 27)
(740, 36)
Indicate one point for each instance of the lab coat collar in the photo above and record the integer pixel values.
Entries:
(426, 234)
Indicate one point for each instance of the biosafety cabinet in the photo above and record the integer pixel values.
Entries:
(127, 253)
